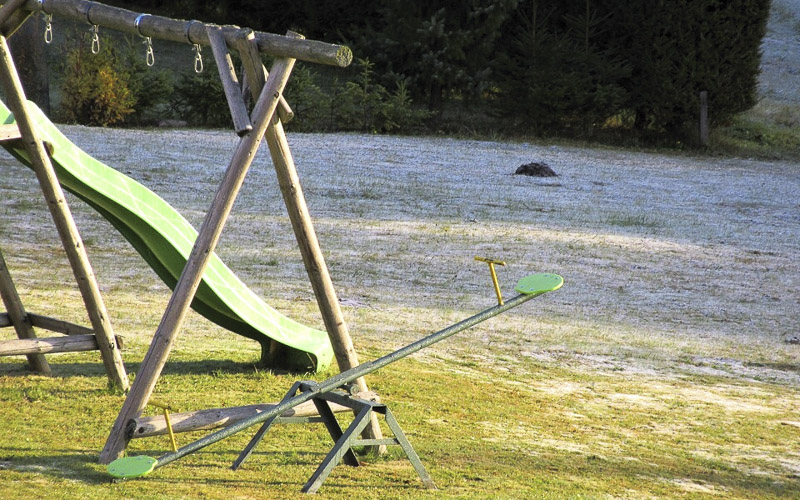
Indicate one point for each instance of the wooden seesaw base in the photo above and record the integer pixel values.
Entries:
(214, 418)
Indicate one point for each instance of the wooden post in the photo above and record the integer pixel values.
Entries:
(207, 239)
(9, 8)
(230, 83)
(13, 19)
(18, 316)
(59, 211)
(704, 118)
(307, 241)
(313, 258)
(256, 74)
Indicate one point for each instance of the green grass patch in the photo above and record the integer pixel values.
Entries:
(770, 130)
(537, 431)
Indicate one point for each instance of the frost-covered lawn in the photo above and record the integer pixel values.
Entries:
(661, 369)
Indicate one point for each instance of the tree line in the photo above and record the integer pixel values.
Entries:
(537, 66)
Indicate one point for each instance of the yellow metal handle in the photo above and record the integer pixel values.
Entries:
(492, 263)
(159, 404)
(166, 409)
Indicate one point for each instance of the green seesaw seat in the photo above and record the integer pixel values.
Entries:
(164, 239)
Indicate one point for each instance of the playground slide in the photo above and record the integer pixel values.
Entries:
(164, 239)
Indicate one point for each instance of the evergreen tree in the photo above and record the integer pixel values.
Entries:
(439, 49)
(558, 70)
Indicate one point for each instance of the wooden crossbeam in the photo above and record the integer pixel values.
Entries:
(8, 9)
(9, 134)
(182, 31)
(58, 326)
(51, 345)
(11, 17)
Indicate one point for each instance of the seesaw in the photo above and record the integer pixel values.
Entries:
(337, 390)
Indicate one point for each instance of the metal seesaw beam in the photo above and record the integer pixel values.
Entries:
(529, 287)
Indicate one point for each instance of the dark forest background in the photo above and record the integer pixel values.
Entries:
(567, 67)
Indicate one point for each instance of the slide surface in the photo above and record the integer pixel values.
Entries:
(165, 239)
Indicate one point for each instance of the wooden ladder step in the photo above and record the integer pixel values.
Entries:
(10, 135)
(9, 132)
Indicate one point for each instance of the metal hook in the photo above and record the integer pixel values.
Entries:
(95, 30)
(150, 57)
(198, 59)
(95, 39)
(48, 28)
(198, 56)
(48, 19)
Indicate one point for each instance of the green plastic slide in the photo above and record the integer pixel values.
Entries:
(165, 239)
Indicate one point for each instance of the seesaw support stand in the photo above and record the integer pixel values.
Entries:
(342, 450)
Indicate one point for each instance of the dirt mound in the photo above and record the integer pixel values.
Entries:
(536, 169)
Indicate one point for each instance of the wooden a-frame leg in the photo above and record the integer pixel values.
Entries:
(18, 316)
(317, 269)
(230, 83)
(11, 17)
(206, 242)
(65, 224)
(306, 236)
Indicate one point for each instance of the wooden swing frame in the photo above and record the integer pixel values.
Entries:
(264, 121)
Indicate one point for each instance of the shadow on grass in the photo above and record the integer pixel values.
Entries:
(550, 475)
(74, 464)
(206, 467)
(20, 368)
(784, 367)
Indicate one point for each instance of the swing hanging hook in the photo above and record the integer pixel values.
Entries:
(95, 39)
(95, 30)
(198, 56)
(150, 58)
(48, 27)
